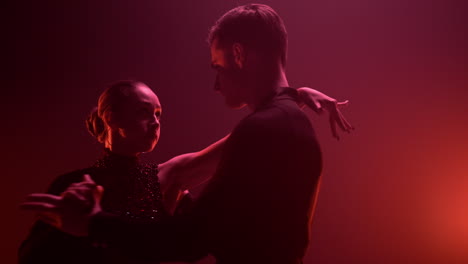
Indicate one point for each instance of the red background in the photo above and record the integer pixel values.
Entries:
(394, 191)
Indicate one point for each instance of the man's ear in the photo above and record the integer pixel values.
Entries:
(239, 54)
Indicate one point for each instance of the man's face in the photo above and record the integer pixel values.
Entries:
(228, 76)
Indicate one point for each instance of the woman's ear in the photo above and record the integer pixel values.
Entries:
(111, 122)
(239, 54)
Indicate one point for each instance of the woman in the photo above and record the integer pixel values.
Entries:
(127, 123)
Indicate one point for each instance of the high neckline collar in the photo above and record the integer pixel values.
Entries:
(111, 159)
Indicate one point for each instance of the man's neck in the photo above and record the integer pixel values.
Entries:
(267, 90)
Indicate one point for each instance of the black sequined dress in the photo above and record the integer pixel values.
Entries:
(132, 190)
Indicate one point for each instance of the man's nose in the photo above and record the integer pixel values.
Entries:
(155, 121)
(154, 126)
(216, 85)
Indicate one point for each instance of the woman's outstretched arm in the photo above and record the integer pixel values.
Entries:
(319, 101)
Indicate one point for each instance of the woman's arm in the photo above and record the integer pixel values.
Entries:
(318, 101)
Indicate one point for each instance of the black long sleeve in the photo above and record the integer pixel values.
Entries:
(46, 244)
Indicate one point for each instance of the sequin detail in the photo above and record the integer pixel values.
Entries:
(131, 188)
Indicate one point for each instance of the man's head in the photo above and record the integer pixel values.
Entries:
(247, 44)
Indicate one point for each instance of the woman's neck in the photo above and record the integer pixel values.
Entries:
(121, 150)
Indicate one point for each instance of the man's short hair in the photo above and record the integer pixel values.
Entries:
(256, 26)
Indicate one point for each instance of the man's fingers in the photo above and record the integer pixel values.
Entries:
(73, 195)
(42, 202)
(85, 184)
(87, 178)
(39, 207)
(44, 197)
(83, 190)
(98, 193)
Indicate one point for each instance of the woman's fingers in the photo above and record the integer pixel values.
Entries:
(337, 117)
(318, 107)
(333, 127)
(313, 104)
(348, 126)
(343, 104)
(318, 102)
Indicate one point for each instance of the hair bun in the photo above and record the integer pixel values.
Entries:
(95, 125)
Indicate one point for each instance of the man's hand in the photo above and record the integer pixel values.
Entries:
(69, 212)
(318, 101)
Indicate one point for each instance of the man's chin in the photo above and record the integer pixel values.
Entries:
(235, 104)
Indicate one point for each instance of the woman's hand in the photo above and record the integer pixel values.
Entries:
(318, 101)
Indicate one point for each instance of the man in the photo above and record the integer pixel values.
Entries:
(258, 206)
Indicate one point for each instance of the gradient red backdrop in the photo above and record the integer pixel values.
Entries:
(394, 191)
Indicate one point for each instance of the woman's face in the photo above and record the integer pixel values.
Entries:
(137, 123)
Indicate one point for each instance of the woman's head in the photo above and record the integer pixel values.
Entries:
(126, 119)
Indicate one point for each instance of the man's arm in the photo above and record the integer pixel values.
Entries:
(46, 243)
(187, 171)
(168, 239)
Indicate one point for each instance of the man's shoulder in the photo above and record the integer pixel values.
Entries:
(279, 115)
